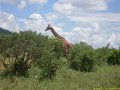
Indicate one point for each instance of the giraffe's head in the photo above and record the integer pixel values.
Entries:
(48, 27)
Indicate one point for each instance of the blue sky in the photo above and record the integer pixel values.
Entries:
(96, 22)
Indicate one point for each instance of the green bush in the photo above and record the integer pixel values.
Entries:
(81, 57)
(48, 64)
(101, 55)
(17, 69)
(114, 58)
(49, 61)
(57, 46)
(20, 68)
(28, 48)
(22, 50)
(87, 64)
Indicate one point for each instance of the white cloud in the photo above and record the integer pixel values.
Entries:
(10, 1)
(58, 30)
(114, 40)
(51, 17)
(38, 1)
(86, 10)
(35, 22)
(22, 4)
(94, 35)
(104, 17)
(8, 21)
(63, 8)
(71, 6)
(90, 32)
(93, 25)
(31, 1)
(0, 9)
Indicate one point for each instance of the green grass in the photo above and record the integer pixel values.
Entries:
(66, 79)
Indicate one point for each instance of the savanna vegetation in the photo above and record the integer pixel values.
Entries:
(31, 61)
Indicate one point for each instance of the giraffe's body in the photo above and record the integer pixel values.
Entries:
(66, 44)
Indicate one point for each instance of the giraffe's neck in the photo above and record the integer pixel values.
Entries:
(56, 34)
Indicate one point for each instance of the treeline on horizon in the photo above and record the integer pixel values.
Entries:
(21, 51)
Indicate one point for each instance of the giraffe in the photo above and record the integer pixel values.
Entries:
(66, 44)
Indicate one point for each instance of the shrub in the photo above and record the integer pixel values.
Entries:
(57, 46)
(23, 49)
(17, 68)
(101, 55)
(48, 64)
(49, 61)
(81, 57)
(114, 58)
(87, 64)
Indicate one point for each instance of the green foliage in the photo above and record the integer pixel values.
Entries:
(81, 57)
(23, 49)
(114, 58)
(27, 48)
(48, 63)
(56, 46)
(101, 55)
(66, 79)
(4, 45)
(17, 69)
(87, 64)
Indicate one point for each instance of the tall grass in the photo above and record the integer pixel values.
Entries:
(66, 79)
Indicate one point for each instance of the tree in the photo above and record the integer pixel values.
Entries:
(81, 57)
(23, 49)
(114, 58)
